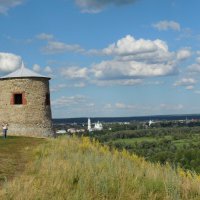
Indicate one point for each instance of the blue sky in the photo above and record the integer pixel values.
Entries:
(107, 57)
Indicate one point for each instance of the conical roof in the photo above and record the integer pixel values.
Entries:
(23, 72)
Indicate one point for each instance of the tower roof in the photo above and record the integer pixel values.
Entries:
(23, 72)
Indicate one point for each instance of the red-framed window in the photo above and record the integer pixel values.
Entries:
(18, 98)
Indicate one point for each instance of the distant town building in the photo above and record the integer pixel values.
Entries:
(150, 122)
(25, 103)
(74, 130)
(71, 130)
(61, 132)
(97, 126)
(89, 125)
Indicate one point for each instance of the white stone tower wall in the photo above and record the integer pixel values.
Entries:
(31, 119)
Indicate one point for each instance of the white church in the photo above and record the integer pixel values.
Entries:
(97, 126)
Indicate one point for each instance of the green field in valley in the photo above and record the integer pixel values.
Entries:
(177, 143)
(179, 146)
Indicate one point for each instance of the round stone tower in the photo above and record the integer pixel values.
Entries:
(25, 103)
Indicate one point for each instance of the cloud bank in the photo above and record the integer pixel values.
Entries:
(188, 83)
(68, 101)
(195, 68)
(5, 5)
(184, 54)
(55, 47)
(75, 73)
(130, 61)
(131, 69)
(96, 6)
(44, 36)
(167, 25)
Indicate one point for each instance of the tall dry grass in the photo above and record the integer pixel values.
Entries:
(78, 169)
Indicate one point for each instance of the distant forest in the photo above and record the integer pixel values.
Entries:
(179, 146)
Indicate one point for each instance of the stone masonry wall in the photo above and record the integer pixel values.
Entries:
(31, 119)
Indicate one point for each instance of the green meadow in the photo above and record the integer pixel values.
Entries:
(177, 143)
(179, 146)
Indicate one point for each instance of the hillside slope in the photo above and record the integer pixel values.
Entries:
(75, 168)
(15, 153)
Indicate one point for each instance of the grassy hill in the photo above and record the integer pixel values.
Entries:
(76, 168)
(15, 152)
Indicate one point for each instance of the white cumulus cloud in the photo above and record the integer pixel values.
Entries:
(48, 70)
(62, 86)
(141, 50)
(183, 54)
(171, 107)
(9, 62)
(75, 73)
(95, 6)
(135, 59)
(79, 85)
(195, 68)
(58, 87)
(198, 60)
(126, 82)
(130, 61)
(36, 68)
(5, 5)
(120, 105)
(167, 25)
(131, 69)
(54, 47)
(189, 87)
(185, 82)
(130, 46)
(67, 101)
(44, 36)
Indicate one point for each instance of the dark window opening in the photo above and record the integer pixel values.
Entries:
(47, 99)
(18, 99)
